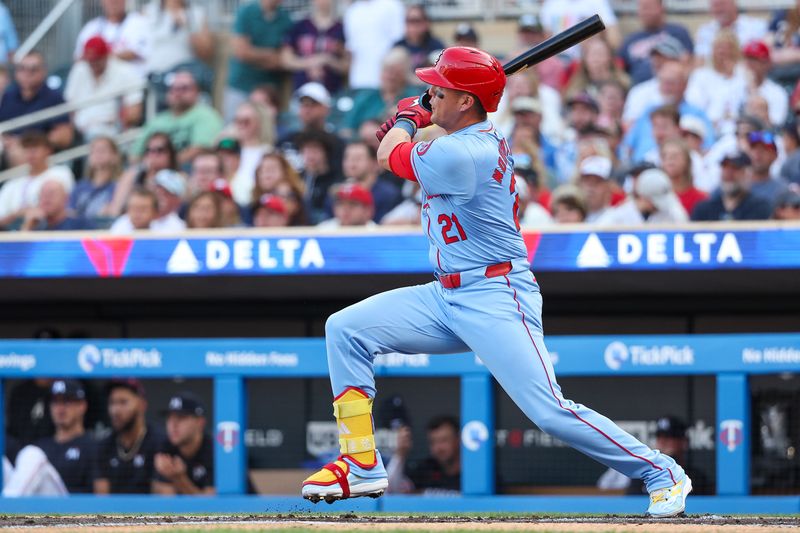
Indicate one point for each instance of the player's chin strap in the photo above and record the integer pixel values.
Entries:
(353, 412)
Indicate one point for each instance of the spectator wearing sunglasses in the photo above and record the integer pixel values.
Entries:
(733, 200)
(763, 153)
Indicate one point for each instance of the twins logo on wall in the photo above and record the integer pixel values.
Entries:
(731, 434)
(228, 435)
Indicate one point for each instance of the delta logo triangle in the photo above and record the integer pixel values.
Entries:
(593, 254)
(183, 260)
(108, 256)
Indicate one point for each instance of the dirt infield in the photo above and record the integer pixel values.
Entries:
(353, 522)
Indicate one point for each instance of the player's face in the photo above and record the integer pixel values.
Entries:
(123, 409)
(67, 413)
(182, 428)
(447, 105)
(444, 444)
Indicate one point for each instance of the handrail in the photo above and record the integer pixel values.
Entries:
(67, 107)
(126, 137)
(42, 29)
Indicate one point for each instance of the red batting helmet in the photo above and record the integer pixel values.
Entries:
(470, 70)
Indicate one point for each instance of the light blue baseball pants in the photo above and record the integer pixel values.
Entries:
(499, 319)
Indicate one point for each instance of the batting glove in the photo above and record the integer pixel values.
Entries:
(409, 110)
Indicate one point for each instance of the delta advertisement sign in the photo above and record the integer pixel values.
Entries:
(378, 252)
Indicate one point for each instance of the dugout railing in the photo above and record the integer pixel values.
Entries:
(229, 363)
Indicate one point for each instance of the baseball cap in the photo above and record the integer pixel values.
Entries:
(132, 384)
(522, 104)
(736, 158)
(585, 99)
(172, 181)
(669, 47)
(668, 426)
(767, 138)
(354, 193)
(229, 144)
(756, 50)
(315, 91)
(466, 31)
(185, 403)
(273, 202)
(596, 165)
(694, 125)
(655, 185)
(221, 186)
(529, 22)
(96, 48)
(68, 389)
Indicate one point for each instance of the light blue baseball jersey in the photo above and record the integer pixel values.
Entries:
(470, 203)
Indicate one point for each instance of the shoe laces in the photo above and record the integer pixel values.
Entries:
(659, 495)
(664, 494)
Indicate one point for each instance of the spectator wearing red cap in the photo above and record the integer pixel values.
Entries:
(763, 176)
(98, 73)
(204, 211)
(353, 206)
(125, 31)
(270, 212)
(759, 62)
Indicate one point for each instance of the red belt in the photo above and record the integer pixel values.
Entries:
(453, 281)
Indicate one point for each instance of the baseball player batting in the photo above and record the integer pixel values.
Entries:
(485, 298)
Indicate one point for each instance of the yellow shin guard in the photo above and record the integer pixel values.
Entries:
(353, 412)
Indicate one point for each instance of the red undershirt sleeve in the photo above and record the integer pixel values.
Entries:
(400, 161)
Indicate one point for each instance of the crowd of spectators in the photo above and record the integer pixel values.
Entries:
(657, 125)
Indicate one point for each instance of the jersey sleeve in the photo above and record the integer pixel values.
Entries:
(445, 166)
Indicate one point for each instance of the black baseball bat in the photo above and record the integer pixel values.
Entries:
(545, 49)
(555, 44)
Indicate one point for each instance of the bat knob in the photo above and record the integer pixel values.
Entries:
(425, 101)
